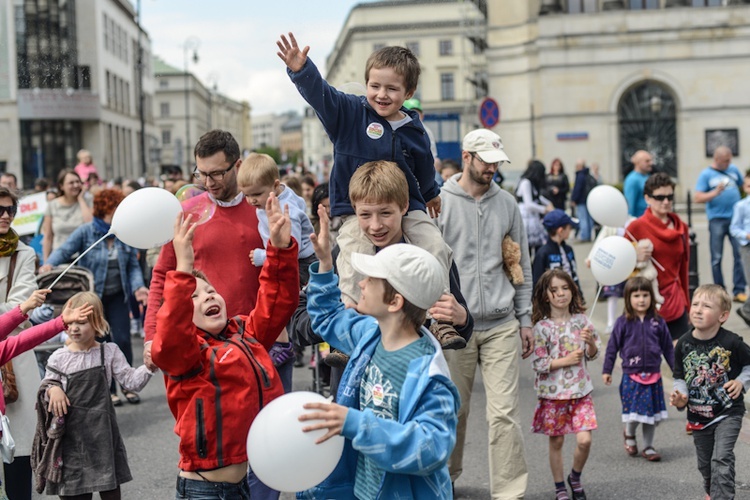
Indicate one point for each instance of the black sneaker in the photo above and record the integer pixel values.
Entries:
(744, 316)
(447, 336)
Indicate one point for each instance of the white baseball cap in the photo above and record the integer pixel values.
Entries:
(413, 272)
(486, 144)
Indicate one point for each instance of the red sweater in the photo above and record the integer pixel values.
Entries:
(671, 249)
(27, 339)
(217, 384)
(222, 247)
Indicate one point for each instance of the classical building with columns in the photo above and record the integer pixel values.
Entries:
(600, 79)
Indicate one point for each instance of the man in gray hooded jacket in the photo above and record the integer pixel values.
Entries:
(476, 216)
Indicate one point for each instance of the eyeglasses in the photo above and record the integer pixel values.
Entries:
(495, 164)
(11, 210)
(662, 197)
(215, 176)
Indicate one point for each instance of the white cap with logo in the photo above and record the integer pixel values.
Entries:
(486, 144)
(412, 271)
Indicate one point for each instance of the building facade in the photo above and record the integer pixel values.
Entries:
(70, 79)
(600, 79)
(185, 109)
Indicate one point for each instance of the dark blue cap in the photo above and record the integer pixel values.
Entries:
(558, 218)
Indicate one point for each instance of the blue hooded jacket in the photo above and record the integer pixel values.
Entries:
(360, 135)
(412, 451)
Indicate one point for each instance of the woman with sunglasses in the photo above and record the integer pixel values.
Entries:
(17, 283)
(671, 252)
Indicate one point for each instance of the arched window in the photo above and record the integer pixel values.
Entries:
(647, 118)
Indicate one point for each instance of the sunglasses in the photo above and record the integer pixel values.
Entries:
(662, 197)
(11, 210)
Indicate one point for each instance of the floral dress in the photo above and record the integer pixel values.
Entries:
(565, 405)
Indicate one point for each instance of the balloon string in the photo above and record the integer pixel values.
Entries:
(79, 258)
(656, 262)
(596, 299)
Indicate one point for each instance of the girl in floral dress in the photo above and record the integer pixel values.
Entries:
(565, 340)
(641, 337)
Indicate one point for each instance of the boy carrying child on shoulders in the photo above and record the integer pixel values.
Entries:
(711, 373)
(369, 128)
(397, 406)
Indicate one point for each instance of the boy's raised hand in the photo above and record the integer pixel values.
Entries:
(77, 315)
(184, 229)
(278, 223)
(322, 242)
(289, 52)
(37, 299)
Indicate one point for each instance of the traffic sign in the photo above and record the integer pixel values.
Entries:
(489, 112)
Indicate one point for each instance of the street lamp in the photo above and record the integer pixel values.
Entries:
(191, 45)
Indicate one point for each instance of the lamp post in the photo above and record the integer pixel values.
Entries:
(191, 45)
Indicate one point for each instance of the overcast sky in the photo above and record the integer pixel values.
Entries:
(237, 42)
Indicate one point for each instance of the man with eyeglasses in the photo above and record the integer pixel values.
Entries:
(222, 244)
(476, 215)
(718, 186)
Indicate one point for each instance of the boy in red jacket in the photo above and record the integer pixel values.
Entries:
(217, 370)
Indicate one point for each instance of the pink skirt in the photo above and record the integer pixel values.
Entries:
(557, 417)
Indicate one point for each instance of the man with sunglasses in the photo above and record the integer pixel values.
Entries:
(718, 186)
(476, 215)
(222, 244)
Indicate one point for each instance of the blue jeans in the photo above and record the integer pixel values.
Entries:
(718, 228)
(117, 312)
(585, 221)
(207, 490)
(259, 490)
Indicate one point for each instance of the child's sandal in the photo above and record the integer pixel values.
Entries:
(651, 457)
(631, 450)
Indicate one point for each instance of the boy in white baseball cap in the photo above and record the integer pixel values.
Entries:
(397, 375)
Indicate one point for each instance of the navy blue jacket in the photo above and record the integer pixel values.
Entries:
(579, 193)
(641, 345)
(360, 135)
(548, 256)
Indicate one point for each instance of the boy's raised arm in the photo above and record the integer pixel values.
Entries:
(322, 242)
(290, 53)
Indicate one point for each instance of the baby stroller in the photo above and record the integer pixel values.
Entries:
(77, 279)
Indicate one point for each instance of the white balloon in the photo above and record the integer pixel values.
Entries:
(607, 206)
(145, 218)
(612, 260)
(281, 455)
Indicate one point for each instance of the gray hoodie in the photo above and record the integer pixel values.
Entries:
(475, 229)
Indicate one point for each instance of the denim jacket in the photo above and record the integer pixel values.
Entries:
(96, 259)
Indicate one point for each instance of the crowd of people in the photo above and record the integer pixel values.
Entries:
(414, 278)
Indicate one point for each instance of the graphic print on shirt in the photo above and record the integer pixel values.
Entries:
(705, 375)
(378, 393)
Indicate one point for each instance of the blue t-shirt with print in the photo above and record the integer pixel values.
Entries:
(723, 205)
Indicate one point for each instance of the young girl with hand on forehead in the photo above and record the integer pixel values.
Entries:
(74, 395)
(642, 338)
(565, 340)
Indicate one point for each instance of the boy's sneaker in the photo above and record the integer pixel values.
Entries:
(336, 359)
(447, 336)
(281, 353)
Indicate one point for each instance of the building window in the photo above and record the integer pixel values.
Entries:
(377, 46)
(413, 47)
(643, 4)
(166, 137)
(447, 92)
(164, 107)
(446, 47)
(106, 32)
(707, 3)
(163, 83)
(581, 6)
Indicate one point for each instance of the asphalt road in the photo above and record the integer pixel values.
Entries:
(609, 474)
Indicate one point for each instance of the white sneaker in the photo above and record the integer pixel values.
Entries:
(135, 326)
(609, 329)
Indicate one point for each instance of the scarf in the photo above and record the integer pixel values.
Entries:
(102, 227)
(8, 243)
